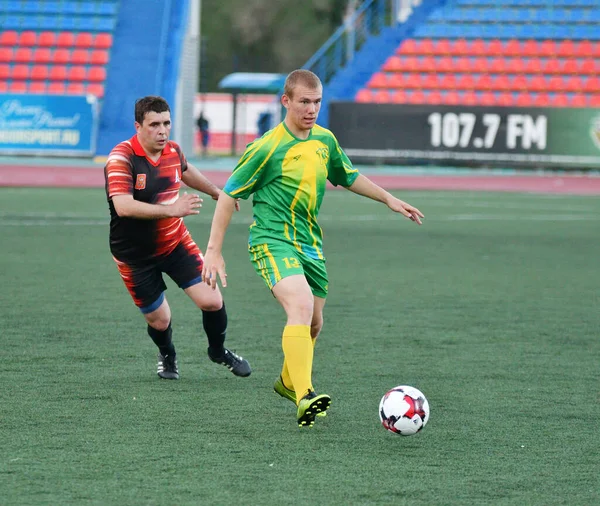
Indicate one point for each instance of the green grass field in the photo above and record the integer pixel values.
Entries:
(491, 308)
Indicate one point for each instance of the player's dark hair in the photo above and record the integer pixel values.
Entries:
(148, 104)
(303, 77)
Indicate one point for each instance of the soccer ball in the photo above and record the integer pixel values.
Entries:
(404, 410)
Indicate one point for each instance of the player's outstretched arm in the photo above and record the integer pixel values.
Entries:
(127, 207)
(214, 264)
(367, 188)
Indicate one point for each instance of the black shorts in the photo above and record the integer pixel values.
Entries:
(145, 281)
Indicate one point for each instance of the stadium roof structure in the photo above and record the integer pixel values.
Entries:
(249, 82)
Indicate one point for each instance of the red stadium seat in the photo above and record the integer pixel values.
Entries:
(38, 87)
(578, 100)
(495, 47)
(559, 100)
(428, 64)
(497, 65)
(589, 66)
(547, 49)
(400, 97)
(412, 81)
(596, 49)
(465, 82)
(524, 100)
(23, 55)
(443, 47)
(584, 49)
(75, 89)
(65, 39)
(407, 47)
(594, 100)
(39, 73)
(505, 99)
(451, 98)
(378, 80)
(430, 81)
(425, 47)
(410, 64)
(416, 97)
(448, 82)
(20, 72)
(47, 39)
(80, 57)
(566, 49)
(17, 87)
(392, 64)
(484, 82)
(501, 82)
(396, 80)
(487, 98)
(512, 48)
(6, 55)
(445, 64)
(529, 48)
(478, 47)
(469, 98)
(97, 74)
(57, 88)
(462, 64)
(460, 47)
(84, 40)
(42, 55)
(382, 97)
(4, 71)
(556, 83)
(77, 73)
(27, 39)
(9, 38)
(3, 86)
(103, 41)
(95, 89)
(592, 85)
(533, 66)
(541, 100)
(519, 83)
(551, 67)
(480, 64)
(434, 98)
(362, 96)
(570, 67)
(537, 83)
(61, 56)
(515, 65)
(58, 73)
(574, 84)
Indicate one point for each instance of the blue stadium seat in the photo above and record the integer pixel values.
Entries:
(11, 22)
(105, 24)
(49, 8)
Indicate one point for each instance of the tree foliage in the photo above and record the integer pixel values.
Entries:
(263, 35)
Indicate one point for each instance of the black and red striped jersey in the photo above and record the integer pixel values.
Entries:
(129, 171)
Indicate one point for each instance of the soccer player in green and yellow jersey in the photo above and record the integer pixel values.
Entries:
(286, 171)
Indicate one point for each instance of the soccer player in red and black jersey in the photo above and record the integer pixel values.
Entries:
(148, 237)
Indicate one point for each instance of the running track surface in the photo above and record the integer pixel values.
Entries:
(93, 177)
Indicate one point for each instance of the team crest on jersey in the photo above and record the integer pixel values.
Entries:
(323, 155)
(140, 182)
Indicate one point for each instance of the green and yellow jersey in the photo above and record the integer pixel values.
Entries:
(287, 177)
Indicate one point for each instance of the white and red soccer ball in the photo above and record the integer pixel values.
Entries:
(404, 410)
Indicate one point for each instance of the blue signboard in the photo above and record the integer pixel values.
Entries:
(48, 124)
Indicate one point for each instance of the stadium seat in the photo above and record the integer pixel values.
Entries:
(27, 39)
(75, 89)
(515, 66)
(3, 86)
(451, 98)
(9, 38)
(524, 100)
(574, 84)
(416, 97)
(84, 40)
(39, 73)
(556, 83)
(529, 48)
(408, 47)
(42, 55)
(566, 49)
(23, 55)
(501, 82)
(400, 97)
(378, 80)
(425, 47)
(487, 98)
(97, 74)
(519, 83)
(533, 66)
(483, 82)
(428, 64)
(47, 39)
(80, 57)
(551, 67)
(512, 48)
(445, 64)
(95, 89)
(478, 47)
(65, 39)
(589, 66)
(594, 101)
(17, 87)
(99, 57)
(497, 65)
(57, 88)
(103, 41)
(541, 100)
(58, 73)
(592, 85)
(469, 97)
(443, 47)
(434, 98)
(6, 55)
(430, 81)
(537, 83)
(4, 71)
(559, 100)
(396, 81)
(495, 47)
(462, 64)
(465, 82)
(37, 87)
(547, 49)
(505, 99)
(578, 100)
(412, 81)
(77, 73)
(20, 72)
(61, 56)
(392, 64)
(363, 96)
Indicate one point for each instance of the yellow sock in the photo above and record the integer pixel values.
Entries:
(285, 374)
(298, 353)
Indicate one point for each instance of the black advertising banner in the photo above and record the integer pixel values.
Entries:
(500, 136)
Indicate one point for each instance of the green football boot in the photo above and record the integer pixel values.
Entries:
(310, 406)
(288, 394)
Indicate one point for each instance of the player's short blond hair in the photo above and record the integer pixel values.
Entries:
(301, 77)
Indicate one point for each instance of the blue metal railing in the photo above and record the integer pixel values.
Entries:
(368, 20)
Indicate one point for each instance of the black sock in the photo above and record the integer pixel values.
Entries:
(162, 339)
(215, 326)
